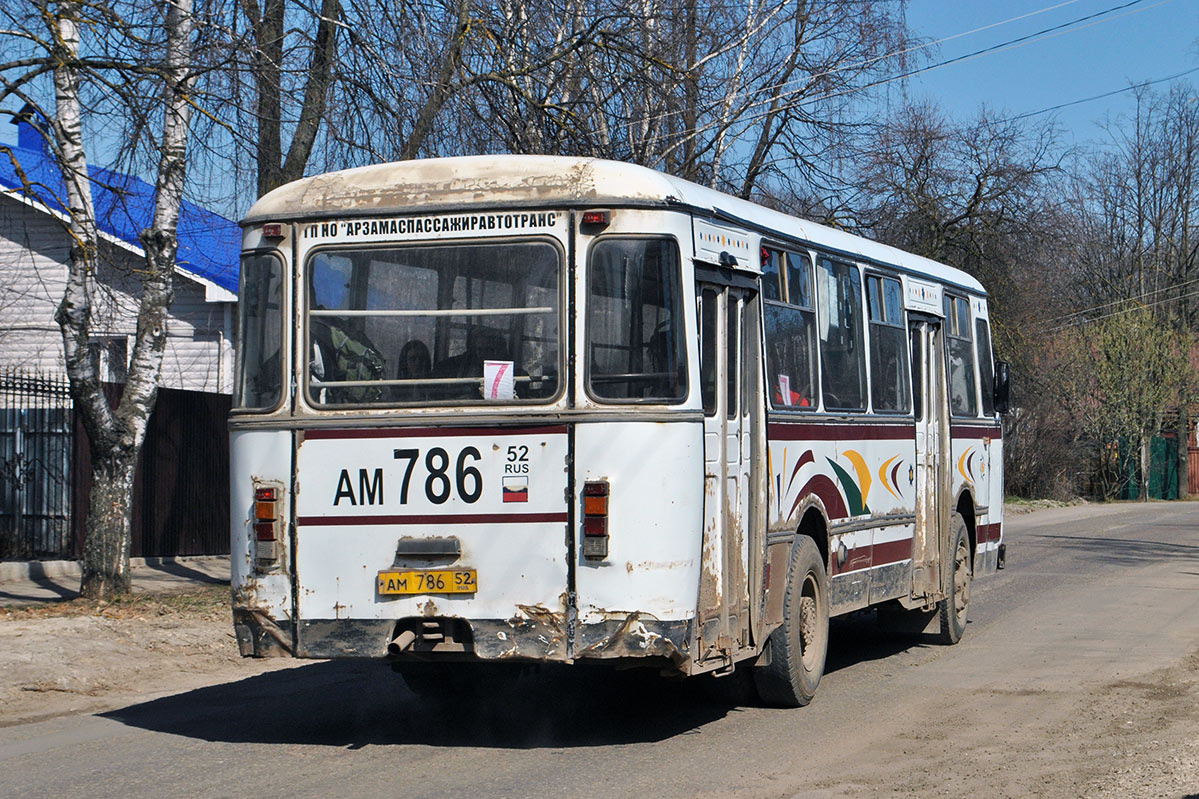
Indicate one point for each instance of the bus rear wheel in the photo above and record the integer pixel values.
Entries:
(798, 648)
(953, 608)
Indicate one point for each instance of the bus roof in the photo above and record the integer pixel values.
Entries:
(543, 181)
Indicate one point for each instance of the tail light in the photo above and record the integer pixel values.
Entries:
(267, 524)
(595, 221)
(595, 519)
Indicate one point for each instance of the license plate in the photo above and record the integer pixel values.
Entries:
(429, 581)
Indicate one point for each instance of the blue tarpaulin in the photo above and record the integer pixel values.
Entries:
(209, 244)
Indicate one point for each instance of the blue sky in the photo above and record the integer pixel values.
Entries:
(1135, 41)
(1143, 41)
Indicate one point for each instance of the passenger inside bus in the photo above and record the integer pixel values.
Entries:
(415, 364)
(482, 344)
(794, 400)
(338, 354)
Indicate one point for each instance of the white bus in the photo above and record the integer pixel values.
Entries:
(534, 409)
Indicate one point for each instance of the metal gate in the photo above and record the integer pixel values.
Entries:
(35, 465)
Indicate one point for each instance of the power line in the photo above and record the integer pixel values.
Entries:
(895, 53)
(1137, 306)
(1141, 85)
(1020, 41)
(1144, 296)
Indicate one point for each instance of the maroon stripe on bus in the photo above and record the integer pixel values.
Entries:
(988, 532)
(971, 431)
(883, 554)
(824, 488)
(892, 551)
(447, 518)
(433, 432)
(779, 431)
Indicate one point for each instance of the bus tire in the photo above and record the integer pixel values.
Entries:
(798, 647)
(953, 608)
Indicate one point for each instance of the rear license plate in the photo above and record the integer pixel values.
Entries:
(429, 581)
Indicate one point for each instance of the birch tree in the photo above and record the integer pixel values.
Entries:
(108, 49)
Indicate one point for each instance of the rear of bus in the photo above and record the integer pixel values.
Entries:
(465, 434)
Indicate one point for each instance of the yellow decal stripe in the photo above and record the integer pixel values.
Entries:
(882, 476)
(859, 466)
(962, 465)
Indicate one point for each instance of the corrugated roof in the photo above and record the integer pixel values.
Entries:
(209, 244)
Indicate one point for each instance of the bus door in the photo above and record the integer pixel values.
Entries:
(728, 361)
(932, 456)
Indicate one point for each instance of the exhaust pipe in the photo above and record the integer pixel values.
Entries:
(401, 642)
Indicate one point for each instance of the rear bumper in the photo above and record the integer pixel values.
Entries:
(530, 637)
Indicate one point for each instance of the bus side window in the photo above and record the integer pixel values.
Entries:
(791, 373)
(960, 360)
(707, 350)
(917, 374)
(986, 367)
(842, 354)
(888, 355)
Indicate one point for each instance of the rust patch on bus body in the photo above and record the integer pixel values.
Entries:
(258, 634)
(533, 632)
(633, 638)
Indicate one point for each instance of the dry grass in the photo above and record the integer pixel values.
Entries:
(210, 602)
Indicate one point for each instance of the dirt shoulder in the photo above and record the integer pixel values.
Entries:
(80, 656)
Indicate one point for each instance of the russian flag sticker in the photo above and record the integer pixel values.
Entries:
(516, 489)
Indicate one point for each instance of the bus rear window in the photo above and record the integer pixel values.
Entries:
(434, 324)
(635, 322)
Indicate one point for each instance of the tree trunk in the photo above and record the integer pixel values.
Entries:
(109, 513)
(115, 437)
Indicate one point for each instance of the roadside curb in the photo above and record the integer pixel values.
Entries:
(52, 569)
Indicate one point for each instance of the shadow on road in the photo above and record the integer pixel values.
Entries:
(348, 703)
(857, 639)
(46, 584)
(359, 703)
(1128, 551)
(177, 569)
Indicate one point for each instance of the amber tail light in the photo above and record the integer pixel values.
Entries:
(267, 524)
(595, 519)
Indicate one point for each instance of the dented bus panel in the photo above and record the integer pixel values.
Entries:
(529, 409)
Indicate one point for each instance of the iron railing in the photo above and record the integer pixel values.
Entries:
(36, 423)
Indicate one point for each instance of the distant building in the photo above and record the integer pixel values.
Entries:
(181, 503)
(34, 252)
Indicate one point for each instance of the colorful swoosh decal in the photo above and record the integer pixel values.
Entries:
(853, 495)
(882, 476)
(859, 466)
(805, 458)
(826, 490)
(962, 465)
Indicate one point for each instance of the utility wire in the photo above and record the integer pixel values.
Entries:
(1140, 85)
(1021, 41)
(1144, 296)
(1137, 306)
(895, 53)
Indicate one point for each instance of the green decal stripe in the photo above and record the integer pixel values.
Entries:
(853, 494)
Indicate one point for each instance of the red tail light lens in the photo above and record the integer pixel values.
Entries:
(596, 218)
(595, 519)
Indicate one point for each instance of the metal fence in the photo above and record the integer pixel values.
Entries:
(36, 420)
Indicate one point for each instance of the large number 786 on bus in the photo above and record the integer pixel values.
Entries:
(518, 410)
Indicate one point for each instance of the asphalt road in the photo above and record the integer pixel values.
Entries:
(1076, 677)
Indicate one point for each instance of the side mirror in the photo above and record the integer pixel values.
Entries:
(1003, 378)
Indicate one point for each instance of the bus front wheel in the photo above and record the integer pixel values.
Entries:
(952, 609)
(798, 648)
